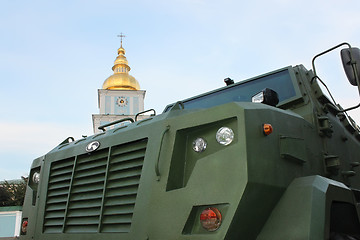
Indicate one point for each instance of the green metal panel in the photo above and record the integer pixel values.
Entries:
(301, 212)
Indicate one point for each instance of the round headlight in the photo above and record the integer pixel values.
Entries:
(199, 145)
(210, 219)
(225, 136)
(36, 177)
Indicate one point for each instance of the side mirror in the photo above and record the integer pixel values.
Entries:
(351, 62)
(266, 96)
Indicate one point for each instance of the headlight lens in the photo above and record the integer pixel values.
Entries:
(199, 145)
(258, 98)
(225, 136)
(266, 96)
(36, 177)
(210, 219)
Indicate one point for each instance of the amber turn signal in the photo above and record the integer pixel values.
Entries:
(267, 129)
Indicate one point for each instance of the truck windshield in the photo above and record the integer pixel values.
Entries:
(243, 91)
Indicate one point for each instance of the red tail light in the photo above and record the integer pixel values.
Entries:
(210, 219)
(24, 226)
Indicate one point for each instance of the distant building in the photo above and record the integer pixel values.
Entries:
(120, 96)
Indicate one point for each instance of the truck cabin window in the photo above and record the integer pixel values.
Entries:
(243, 91)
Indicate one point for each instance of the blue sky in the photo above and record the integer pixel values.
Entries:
(56, 54)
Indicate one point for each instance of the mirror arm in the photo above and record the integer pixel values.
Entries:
(336, 110)
(351, 108)
(329, 50)
(353, 64)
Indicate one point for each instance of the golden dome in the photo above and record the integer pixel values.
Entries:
(121, 79)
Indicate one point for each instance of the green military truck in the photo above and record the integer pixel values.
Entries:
(268, 158)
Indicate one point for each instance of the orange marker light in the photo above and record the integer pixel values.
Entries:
(267, 129)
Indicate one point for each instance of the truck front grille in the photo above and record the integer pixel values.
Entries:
(95, 192)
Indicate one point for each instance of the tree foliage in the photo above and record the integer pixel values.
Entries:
(12, 193)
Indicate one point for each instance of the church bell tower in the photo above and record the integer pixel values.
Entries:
(120, 96)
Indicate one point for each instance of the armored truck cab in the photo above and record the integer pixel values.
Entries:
(270, 157)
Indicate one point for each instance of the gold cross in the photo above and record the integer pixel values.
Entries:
(121, 36)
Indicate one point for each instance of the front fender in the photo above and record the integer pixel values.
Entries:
(304, 210)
